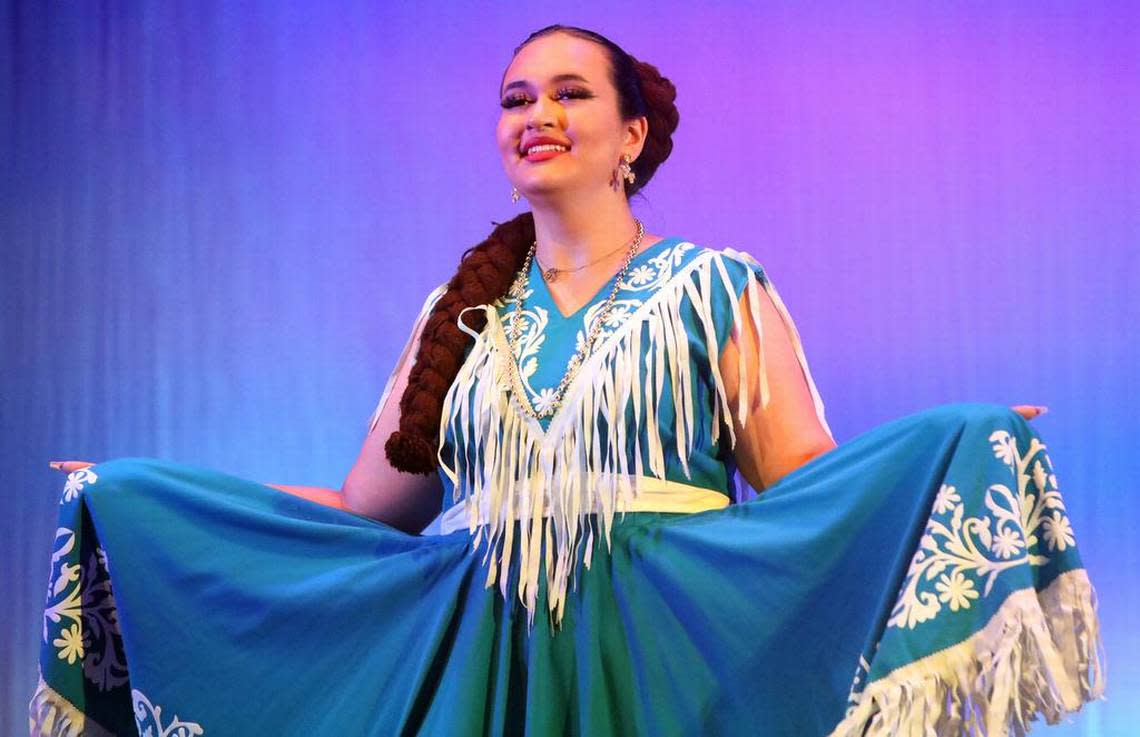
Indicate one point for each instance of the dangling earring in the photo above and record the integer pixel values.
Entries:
(515, 194)
(624, 170)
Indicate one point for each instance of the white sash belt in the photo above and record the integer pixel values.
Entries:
(655, 495)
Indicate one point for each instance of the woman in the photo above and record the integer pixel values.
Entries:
(581, 395)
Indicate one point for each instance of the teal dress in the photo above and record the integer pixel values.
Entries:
(599, 572)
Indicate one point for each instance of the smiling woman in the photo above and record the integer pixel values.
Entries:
(576, 402)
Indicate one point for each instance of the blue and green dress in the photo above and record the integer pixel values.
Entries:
(597, 572)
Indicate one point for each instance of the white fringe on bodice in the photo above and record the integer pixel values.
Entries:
(563, 473)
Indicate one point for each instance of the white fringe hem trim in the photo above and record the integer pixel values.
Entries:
(1039, 655)
(51, 715)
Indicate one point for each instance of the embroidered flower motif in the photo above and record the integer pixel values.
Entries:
(641, 275)
(76, 480)
(946, 499)
(70, 644)
(80, 613)
(71, 488)
(617, 315)
(1006, 543)
(659, 270)
(967, 553)
(956, 590)
(1058, 533)
(544, 402)
(622, 310)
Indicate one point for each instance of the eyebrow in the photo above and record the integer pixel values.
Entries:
(555, 78)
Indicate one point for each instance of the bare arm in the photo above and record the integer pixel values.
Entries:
(317, 494)
(788, 433)
(374, 488)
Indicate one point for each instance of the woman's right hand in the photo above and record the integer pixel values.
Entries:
(1030, 411)
(69, 466)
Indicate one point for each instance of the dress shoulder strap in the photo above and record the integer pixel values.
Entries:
(428, 305)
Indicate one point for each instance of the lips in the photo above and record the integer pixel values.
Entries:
(542, 155)
(539, 141)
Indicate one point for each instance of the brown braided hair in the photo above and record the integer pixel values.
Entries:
(486, 270)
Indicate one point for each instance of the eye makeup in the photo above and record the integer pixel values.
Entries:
(577, 93)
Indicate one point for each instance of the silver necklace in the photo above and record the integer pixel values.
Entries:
(518, 289)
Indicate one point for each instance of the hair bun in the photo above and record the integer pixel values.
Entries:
(659, 94)
(655, 87)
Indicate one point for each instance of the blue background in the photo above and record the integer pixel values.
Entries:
(218, 221)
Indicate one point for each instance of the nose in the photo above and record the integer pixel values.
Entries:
(543, 112)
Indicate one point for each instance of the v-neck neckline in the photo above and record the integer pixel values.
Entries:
(536, 275)
(555, 422)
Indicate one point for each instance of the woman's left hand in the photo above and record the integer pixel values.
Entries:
(1029, 411)
(69, 466)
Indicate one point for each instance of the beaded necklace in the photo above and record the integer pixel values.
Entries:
(518, 289)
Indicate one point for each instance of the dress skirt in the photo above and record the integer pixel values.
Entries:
(921, 578)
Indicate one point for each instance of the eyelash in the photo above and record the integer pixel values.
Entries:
(574, 92)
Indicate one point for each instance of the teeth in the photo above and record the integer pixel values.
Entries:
(546, 147)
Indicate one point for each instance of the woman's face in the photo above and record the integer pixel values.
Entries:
(558, 87)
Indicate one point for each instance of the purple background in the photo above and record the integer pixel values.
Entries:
(219, 219)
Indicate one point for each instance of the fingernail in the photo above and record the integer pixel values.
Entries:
(1041, 409)
(55, 464)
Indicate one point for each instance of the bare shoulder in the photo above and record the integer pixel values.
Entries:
(787, 430)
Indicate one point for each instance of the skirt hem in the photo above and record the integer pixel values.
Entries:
(1040, 654)
(52, 715)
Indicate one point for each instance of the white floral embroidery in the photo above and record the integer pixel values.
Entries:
(641, 275)
(80, 618)
(535, 320)
(644, 278)
(544, 401)
(659, 270)
(532, 328)
(618, 315)
(1007, 542)
(963, 551)
(946, 499)
(70, 644)
(148, 719)
(76, 480)
(955, 589)
(1058, 533)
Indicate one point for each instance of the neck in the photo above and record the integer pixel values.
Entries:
(576, 231)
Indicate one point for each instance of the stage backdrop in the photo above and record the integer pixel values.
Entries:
(219, 219)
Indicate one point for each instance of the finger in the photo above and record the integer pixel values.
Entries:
(69, 466)
(1030, 411)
